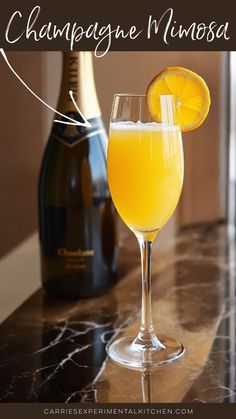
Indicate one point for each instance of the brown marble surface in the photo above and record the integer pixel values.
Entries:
(54, 350)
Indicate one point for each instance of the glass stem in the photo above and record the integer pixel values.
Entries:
(146, 334)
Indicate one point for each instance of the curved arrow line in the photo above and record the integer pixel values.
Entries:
(78, 110)
(72, 121)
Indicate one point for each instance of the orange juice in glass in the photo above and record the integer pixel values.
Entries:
(145, 173)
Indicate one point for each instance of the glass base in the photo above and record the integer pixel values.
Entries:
(127, 352)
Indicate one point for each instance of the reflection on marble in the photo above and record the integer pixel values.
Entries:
(54, 350)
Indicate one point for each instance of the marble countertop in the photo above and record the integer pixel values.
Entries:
(54, 350)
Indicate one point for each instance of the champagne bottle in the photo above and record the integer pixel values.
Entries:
(76, 216)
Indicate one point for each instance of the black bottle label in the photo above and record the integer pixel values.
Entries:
(71, 135)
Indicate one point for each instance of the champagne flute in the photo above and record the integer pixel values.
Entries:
(145, 175)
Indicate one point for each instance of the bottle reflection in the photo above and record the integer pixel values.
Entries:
(74, 338)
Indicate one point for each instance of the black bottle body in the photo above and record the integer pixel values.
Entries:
(76, 215)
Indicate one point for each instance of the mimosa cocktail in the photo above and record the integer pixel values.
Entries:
(145, 176)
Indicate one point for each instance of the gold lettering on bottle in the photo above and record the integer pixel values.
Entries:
(78, 252)
(73, 75)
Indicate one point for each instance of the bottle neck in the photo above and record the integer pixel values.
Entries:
(78, 76)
